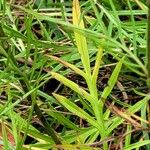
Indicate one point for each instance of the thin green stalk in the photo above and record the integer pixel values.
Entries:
(48, 129)
(21, 142)
(128, 137)
(144, 125)
(134, 30)
(148, 46)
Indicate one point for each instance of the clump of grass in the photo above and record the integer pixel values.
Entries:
(45, 41)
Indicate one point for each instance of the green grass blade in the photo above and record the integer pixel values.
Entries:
(73, 67)
(80, 39)
(76, 110)
(62, 119)
(97, 65)
(137, 145)
(71, 85)
(112, 81)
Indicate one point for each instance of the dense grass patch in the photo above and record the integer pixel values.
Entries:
(74, 75)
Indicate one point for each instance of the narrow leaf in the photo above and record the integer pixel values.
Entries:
(80, 38)
(97, 65)
(76, 110)
(137, 145)
(112, 81)
(71, 85)
(62, 119)
(73, 67)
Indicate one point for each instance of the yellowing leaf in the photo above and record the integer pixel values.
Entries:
(80, 38)
(76, 14)
(71, 85)
(73, 67)
(97, 65)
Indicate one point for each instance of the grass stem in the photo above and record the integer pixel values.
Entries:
(148, 46)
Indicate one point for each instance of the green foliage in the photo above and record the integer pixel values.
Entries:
(53, 54)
